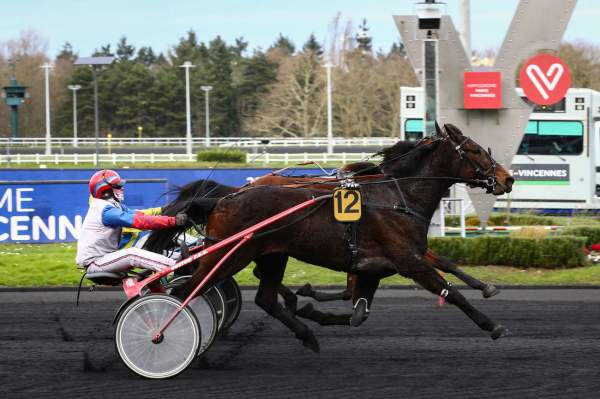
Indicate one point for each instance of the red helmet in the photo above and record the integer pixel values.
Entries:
(104, 180)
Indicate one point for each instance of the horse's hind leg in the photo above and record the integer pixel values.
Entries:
(363, 292)
(429, 279)
(308, 290)
(266, 298)
(447, 266)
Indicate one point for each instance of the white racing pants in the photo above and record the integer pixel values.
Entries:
(128, 258)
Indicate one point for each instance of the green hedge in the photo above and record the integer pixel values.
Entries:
(561, 251)
(591, 234)
(523, 219)
(233, 156)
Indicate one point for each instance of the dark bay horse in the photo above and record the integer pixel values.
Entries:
(363, 171)
(393, 229)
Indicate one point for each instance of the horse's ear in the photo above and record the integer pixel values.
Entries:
(452, 130)
(438, 130)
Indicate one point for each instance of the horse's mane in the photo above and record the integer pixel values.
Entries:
(197, 199)
(403, 158)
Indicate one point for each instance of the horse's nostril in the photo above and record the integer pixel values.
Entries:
(510, 180)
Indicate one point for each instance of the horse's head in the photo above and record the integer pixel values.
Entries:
(475, 163)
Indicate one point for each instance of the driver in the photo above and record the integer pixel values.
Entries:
(98, 244)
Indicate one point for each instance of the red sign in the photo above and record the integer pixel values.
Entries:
(545, 79)
(483, 90)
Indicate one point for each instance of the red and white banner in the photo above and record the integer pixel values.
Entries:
(545, 79)
(482, 90)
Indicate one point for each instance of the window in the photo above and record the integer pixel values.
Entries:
(413, 129)
(552, 138)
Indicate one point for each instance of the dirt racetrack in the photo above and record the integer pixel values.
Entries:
(407, 349)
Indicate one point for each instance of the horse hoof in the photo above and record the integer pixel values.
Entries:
(305, 310)
(360, 314)
(306, 290)
(499, 331)
(489, 291)
(311, 343)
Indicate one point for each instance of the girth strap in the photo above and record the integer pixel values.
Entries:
(398, 208)
(352, 239)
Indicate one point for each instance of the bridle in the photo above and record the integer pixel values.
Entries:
(488, 175)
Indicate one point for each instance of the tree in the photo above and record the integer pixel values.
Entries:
(223, 98)
(258, 73)
(283, 45)
(364, 41)
(398, 49)
(146, 56)
(66, 53)
(313, 46)
(240, 46)
(103, 52)
(295, 104)
(125, 51)
(583, 60)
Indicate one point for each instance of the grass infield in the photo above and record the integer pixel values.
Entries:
(38, 265)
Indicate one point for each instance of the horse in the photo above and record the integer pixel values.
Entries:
(393, 229)
(362, 170)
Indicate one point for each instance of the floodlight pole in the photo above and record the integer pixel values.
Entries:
(188, 132)
(47, 66)
(96, 118)
(207, 89)
(328, 67)
(74, 88)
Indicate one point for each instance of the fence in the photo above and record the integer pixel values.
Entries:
(257, 159)
(76, 159)
(287, 158)
(446, 209)
(198, 141)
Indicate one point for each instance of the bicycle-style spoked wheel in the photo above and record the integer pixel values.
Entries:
(138, 324)
(205, 313)
(232, 301)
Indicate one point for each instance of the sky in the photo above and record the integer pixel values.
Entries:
(88, 24)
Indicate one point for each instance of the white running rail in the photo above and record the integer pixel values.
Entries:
(258, 159)
(199, 141)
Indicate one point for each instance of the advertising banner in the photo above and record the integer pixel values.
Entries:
(39, 206)
(482, 90)
(541, 174)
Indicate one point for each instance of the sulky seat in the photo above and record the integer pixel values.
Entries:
(106, 278)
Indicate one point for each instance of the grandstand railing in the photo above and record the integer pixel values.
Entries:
(114, 158)
(199, 141)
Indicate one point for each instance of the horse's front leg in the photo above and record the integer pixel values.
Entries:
(447, 266)
(271, 277)
(428, 278)
(289, 298)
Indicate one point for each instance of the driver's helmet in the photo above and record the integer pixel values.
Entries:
(103, 181)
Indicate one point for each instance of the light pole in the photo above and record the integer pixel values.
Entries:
(95, 62)
(328, 67)
(74, 88)
(207, 89)
(47, 66)
(188, 113)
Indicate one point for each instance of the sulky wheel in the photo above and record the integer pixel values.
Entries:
(136, 327)
(233, 301)
(205, 312)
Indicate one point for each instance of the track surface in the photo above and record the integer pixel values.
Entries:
(407, 349)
